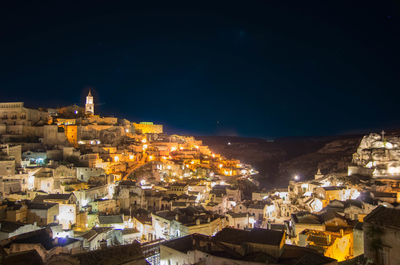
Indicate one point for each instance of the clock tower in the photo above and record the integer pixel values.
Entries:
(89, 106)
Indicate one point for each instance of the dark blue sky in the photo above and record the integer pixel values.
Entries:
(248, 68)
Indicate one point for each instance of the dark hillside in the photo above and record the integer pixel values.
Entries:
(279, 160)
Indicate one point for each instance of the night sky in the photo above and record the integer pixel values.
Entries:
(246, 68)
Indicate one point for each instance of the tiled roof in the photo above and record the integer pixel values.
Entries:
(306, 218)
(256, 235)
(124, 254)
(333, 188)
(237, 215)
(384, 216)
(95, 231)
(30, 257)
(294, 255)
(128, 231)
(183, 244)
(41, 198)
(40, 205)
(8, 227)
(111, 219)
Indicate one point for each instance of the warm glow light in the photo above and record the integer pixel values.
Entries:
(84, 202)
(220, 165)
(317, 205)
(145, 146)
(196, 146)
(394, 170)
(144, 140)
(270, 208)
(131, 157)
(116, 158)
(296, 177)
(213, 155)
(31, 182)
(151, 157)
(355, 195)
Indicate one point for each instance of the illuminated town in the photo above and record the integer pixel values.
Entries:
(75, 185)
(200, 132)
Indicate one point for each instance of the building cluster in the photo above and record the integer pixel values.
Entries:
(329, 218)
(73, 182)
(77, 188)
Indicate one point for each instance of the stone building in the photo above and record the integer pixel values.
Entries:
(382, 236)
(185, 221)
(14, 113)
(147, 127)
(234, 246)
(43, 213)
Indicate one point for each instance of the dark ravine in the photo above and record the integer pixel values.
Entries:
(278, 161)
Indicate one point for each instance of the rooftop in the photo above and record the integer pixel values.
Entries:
(256, 235)
(41, 198)
(8, 227)
(111, 219)
(41, 205)
(384, 216)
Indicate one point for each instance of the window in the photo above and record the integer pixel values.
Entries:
(383, 256)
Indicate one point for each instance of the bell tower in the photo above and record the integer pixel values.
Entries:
(89, 106)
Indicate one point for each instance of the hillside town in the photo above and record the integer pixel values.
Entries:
(80, 188)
